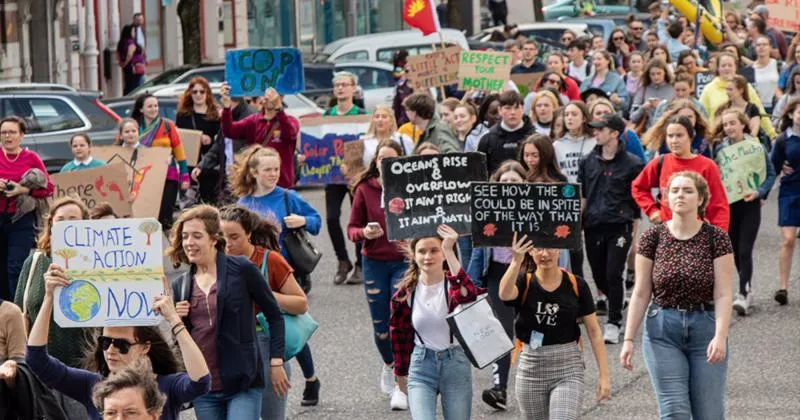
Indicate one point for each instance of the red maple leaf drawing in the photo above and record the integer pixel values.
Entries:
(562, 231)
(489, 230)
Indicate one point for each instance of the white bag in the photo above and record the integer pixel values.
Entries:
(479, 332)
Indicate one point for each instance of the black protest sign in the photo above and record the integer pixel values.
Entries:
(422, 192)
(701, 80)
(550, 214)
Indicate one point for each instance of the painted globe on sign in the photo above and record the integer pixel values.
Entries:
(80, 301)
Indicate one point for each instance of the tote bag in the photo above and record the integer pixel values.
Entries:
(479, 332)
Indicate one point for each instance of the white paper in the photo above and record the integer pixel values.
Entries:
(482, 332)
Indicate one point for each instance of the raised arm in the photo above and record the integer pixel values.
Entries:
(508, 284)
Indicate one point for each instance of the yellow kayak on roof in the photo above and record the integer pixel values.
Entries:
(710, 21)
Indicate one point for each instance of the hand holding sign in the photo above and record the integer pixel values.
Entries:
(225, 95)
(54, 277)
(163, 304)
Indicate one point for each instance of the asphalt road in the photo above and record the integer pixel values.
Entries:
(763, 370)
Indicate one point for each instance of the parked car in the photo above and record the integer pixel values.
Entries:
(382, 46)
(213, 72)
(376, 80)
(54, 113)
(167, 107)
(571, 8)
(548, 35)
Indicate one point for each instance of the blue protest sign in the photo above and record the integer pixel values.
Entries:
(322, 142)
(251, 71)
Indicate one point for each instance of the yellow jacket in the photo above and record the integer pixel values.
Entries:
(411, 131)
(714, 96)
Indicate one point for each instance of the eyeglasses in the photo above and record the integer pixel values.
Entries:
(121, 344)
(198, 92)
(8, 133)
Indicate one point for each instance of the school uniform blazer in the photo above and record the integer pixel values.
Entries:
(240, 285)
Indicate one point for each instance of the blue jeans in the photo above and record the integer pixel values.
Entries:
(17, 240)
(273, 407)
(674, 348)
(380, 281)
(465, 250)
(220, 406)
(446, 373)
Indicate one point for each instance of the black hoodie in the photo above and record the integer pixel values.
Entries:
(606, 186)
(501, 145)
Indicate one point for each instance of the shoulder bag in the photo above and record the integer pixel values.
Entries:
(303, 255)
(25, 317)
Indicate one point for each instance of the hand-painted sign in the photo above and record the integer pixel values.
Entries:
(484, 70)
(322, 143)
(701, 80)
(251, 71)
(192, 142)
(422, 192)
(438, 68)
(115, 269)
(550, 214)
(743, 168)
(104, 184)
(147, 172)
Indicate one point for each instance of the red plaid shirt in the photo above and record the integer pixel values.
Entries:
(401, 330)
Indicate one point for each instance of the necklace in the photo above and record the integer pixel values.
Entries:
(15, 159)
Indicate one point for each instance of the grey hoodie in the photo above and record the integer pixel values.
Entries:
(569, 152)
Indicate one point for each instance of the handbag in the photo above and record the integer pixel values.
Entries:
(139, 69)
(480, 333)
(25, 317)
(303, 255)
(298, 329)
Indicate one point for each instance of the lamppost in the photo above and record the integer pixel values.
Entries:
(90, 52)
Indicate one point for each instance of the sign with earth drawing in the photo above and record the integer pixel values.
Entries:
(115, 267)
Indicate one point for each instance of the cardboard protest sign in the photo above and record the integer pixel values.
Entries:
(783, 15)
(191, 141)
(251, 71)
(701, 80)
(115, 267)
(107, 183)
(526, 82)
(438, 68)
(422, 192)
(743, 168)
(484, 70)
(322, 143)
(146, 182)
(354, 156)
(550, 214)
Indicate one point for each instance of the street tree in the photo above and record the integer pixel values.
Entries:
(189, 12)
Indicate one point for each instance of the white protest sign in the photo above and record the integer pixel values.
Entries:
(115, 268)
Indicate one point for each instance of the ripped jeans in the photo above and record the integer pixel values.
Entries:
(380, 281)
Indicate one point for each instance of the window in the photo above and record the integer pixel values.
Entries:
(553, 34)
(318, 78)
(228, 22)
(354, 56)
(152, 29)
(370, 78)
(387, 55)
(213, 75)
(51, 114)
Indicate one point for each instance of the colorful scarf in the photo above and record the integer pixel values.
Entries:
(148, 133)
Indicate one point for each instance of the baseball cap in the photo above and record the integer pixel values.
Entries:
(612, 121)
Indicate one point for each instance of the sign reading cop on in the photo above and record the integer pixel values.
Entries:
(743, 168)
(438, 68)
(484, 70)
(550, 214)
(422, 192)
(251, 71)
(115, 267)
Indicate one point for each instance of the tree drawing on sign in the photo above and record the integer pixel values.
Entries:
(66, 254)
(148, 228)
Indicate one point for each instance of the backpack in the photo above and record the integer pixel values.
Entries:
(30, 398)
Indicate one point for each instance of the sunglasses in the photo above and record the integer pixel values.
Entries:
(198, 92)
(121, 344)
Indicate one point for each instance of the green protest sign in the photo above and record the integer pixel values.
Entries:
(743, 168)
(484, 70)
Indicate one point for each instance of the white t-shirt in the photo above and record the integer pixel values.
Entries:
(371, 146)
(766, 82)
(429, 316)
(579, 73)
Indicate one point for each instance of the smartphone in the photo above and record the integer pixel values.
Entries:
(373, 225)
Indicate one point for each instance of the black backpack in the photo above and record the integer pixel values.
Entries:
(30, 399)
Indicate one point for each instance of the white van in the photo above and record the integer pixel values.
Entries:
(382, 46)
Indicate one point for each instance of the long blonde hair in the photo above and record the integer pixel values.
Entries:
(241, 180)
(381, 107)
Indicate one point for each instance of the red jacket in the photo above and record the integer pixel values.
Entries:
(366, 209)
(569, 88)
(254, 130)
(717, 211)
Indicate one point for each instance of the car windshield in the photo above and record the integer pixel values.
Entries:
(164, 78)
(318, 78)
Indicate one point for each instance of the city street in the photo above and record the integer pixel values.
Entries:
(763, 373)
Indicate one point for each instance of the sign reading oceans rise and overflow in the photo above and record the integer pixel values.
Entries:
(550, 214)
(422, 192)
(115, 268)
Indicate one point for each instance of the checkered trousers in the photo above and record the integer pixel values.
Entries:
(550, 382)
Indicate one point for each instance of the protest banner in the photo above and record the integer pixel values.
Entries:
(322, 143)
(146, 169)
(251, 71)
(743, 168)
(526, 82)
(484, 70)
(783, 15)
(107, 183)
(550, 214)
(422, 192)
(115, 269)
(701, 80)
(191, 141)
(438, 68)
(354, 156)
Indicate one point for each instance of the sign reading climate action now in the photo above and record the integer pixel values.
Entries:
(484, 70)
(550, 214)
(422, 192)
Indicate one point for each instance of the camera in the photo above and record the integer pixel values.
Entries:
(9, 186)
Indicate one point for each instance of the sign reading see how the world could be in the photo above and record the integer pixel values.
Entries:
(115, 269)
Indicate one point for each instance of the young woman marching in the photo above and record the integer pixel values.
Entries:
(684, 271)
(255, 238)
(538, 157)
(746, 212)
(549, 303)
(81, 146)
(428, 362)
(469, 132)
(383, 261)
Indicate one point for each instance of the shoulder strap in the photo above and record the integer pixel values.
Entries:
(573, 281)
(34, 261)
(286, 202)
(659, 165)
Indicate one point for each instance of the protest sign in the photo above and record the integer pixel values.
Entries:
(743, 168)
(526, 82)
(484, 70)
(322, 143)
(191, 141)
(701, 80)
(251, 71)
(783, 15)
(438, 68)
(107, 183)
(354, 156)
(550, 214)
(422, 192)
(115, 269)
(146, 169)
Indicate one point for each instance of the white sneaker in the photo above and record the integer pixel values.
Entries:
(611, 334)
(387, 379)
(742, 303)
(399, 400)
